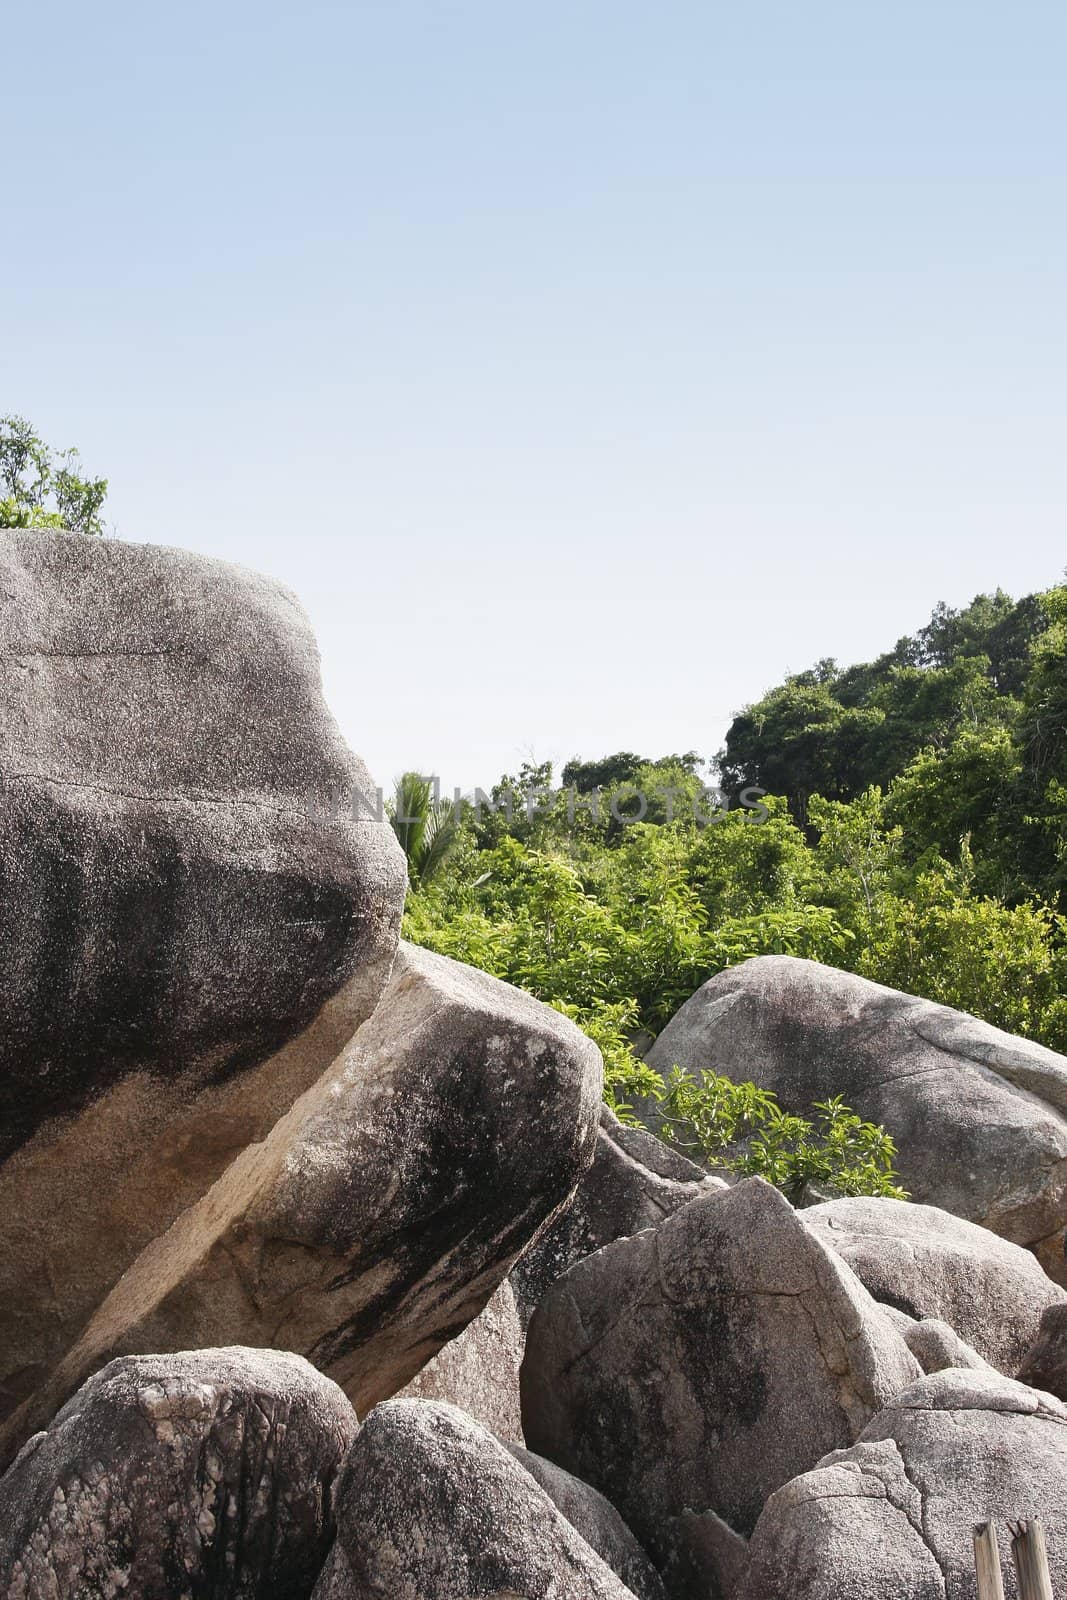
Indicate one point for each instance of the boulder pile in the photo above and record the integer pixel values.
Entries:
(325, 1275)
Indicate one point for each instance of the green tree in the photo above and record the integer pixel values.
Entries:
(924, 885)
(856, 855)
(41, 489)
(739, 868)
(836, 732)
(993, 626)
(428, 831)
(965, 797)
(1005, 964)
(799, 740)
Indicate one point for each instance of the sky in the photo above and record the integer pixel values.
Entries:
(583, 367)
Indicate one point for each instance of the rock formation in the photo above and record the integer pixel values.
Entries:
(379, 1215)
(931, 1264)
(1045, 1363)
(478, 1370)
(191, 923)
(598, 1523)
(698, 1366)
(201, 1476)
(979, 1116)
(634, 1182)
(892, 1517)
(936, 1346)
(237, 1113)
(430, 1506)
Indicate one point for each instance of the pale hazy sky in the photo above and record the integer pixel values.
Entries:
(584, 367)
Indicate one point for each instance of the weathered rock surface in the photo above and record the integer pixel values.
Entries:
(932, 1342)
(933, 1265)
(1045, 1363)
(654, 1154)
(430, 1506)
(598, 1523)
(198, 1476)
(634, 1182)
(899, 1319)
(377, 1218)
(188, 932)
(892, 1517)
(979, 1116)
(698, 1366)
(478, 1371)
(936, 1346)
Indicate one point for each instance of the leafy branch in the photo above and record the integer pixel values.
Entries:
(742, 1128)
(41, 489)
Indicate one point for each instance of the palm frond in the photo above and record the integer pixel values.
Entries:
(409, 811)
(439, 838)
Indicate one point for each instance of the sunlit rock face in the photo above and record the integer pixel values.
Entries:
(379, 1215)
(191, 921)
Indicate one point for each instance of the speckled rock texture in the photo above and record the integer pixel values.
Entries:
(199, 1476)
(635, 1181)
(191, 923)
(380, 1214)
(892, 1517)
(979, 1116)
(934, 1265)
(598, 1522)
(478, 1370)
(1045, 1364)
(936, 1346)
(430, 1506)
(700, 1365)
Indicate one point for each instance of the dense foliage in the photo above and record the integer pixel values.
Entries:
(913, 832)
(40, 488)
(963, 727)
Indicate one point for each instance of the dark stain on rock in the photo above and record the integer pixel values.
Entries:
(125, 949)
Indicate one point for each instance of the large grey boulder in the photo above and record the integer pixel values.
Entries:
(634, 1182)
(697, 1366)
(478, 1370)
(892, 1517)
(933, 1265)
(199, 1476)
(598, 1522)
(378, 1216)
(430, 1506)
(979, 1116)
(191, 922)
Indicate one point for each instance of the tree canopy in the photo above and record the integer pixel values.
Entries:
(42, 488)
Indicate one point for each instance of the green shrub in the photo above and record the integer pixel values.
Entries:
(741, 1128)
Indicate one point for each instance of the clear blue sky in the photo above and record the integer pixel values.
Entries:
(583, 366)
